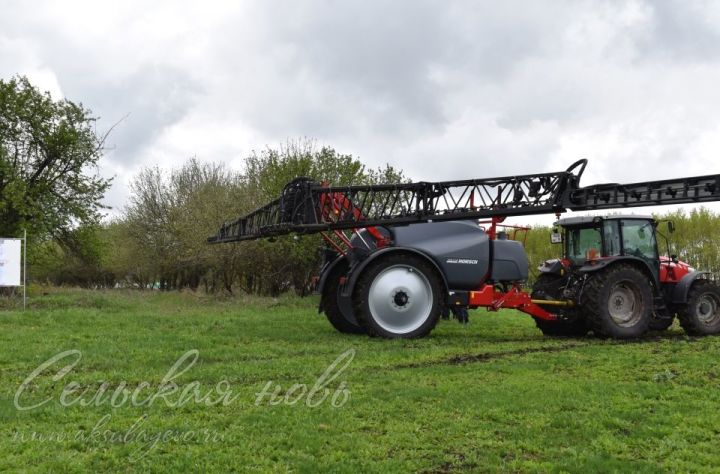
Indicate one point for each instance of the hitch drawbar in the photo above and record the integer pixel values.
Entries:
(494, 300)
(566, 304)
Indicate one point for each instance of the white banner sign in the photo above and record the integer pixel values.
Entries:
(10, 262)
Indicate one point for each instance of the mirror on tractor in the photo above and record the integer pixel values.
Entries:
(671, 229)
(556, 237)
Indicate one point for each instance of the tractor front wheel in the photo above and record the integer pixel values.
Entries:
(701, 315)
(398, 296)
(618, 302)
(571, 323)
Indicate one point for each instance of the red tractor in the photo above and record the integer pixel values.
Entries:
(619, 284)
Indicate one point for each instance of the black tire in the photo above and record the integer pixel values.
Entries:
(701, 315)
(572, 324)
(618, 302)
(397, 310)
(331, 307)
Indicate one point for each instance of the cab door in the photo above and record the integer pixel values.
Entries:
(638, 240)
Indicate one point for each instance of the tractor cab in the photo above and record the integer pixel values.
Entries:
(594, 241)
(591, 243)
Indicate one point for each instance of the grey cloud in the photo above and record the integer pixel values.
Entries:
(145, 96)
(684, 31)
(394, 63)
(146, 102)
(380, 51)
(339, 67)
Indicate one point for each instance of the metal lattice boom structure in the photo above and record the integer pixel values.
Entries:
(306, 206)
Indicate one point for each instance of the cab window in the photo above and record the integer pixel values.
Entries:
(639, 239)
(584, 244)
(611, 232)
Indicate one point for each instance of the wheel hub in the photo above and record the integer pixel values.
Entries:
(623, 305)
(400, 299)
(707, 309)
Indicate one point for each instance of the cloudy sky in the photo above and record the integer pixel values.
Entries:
(442, 89)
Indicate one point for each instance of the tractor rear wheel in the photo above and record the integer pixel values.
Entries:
(337, 316)
(398, 296)
(701, 315)
(571, 324)
(618, 302)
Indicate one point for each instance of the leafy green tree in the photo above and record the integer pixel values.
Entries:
(538, 248)
(130, 264)
(204, 194)
(79, 258)
(168, 219)
(49, 150)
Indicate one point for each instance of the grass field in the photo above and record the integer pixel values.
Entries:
(492, 396)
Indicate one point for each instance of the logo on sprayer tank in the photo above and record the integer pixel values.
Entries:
(464, 261)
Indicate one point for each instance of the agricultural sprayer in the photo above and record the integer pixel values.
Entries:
(401, 256)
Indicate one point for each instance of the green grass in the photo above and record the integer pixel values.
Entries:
(493, 396)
